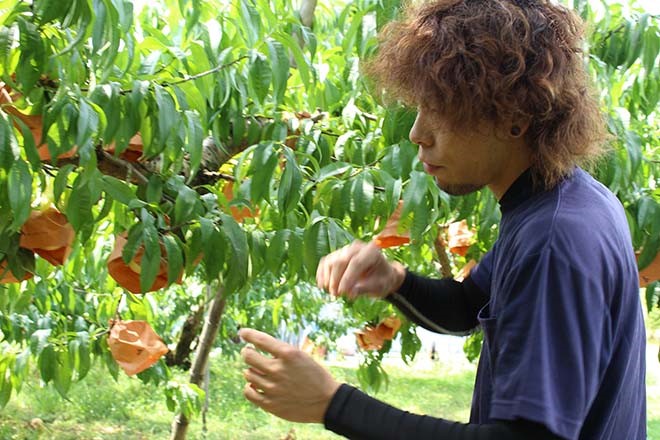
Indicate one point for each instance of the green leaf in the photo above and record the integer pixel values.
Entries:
(341, 199)
(8, 147)
(421, 216)
(414, 193)
(185, 205)
(118, 190)
(652, 296)
(316, 244)
(277, 250)
(61, 181)
(5, 385)
(351, 36)
(295, 254)
(154, 189)
(79, 207)
(20, 193)
(288, 194)
(83, 355)
(47, 363)
(194, 143)
(651, 48)
(257, 252)
(332, 170)
(301, 62)
(88, 125)
(7, 38)
(167, 114)
(251, 22)
(63, 373)
(280, 68)
(28, 145)
(649, 252)
(398, 159)
(214, 253)
(262, 166)
(633, 144)
(150, 264)
(397, 124)
(174, 258)
(50, 10)
(238, 265)
(363, 196)
(259, 77)
(647, 212)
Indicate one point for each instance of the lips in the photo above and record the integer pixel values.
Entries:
(430, 169)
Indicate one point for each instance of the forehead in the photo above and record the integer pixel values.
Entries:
(433, 115)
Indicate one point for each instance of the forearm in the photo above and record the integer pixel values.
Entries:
(355, 415)
(443, 306)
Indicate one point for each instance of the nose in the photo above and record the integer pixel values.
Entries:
(418, 134)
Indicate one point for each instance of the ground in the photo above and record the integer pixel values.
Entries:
(99, 408)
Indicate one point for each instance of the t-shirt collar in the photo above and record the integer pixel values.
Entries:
(520, 190)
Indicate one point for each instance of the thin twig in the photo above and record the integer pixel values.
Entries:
(202, 74)
(188, 78)
(124, 164)
(370, 116)
(443, 258)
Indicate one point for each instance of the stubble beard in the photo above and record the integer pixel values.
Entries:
(458, 189)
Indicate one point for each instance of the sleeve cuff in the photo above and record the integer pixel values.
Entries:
(406, 286)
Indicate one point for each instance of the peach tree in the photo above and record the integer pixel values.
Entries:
(187, 163)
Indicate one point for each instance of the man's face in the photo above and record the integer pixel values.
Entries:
(462, 161)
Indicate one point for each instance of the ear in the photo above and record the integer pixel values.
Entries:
(518, 127)
(513, 127)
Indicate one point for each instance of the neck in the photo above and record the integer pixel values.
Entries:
(519, 161)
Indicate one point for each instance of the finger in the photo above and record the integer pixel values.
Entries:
(342, 261)
(256, 360)
(263, 341)
(254, 396)
(360, 266)
(322, 273)
(259, 381)
(334, 277)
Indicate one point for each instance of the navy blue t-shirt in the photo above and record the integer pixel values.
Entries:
(564, 339)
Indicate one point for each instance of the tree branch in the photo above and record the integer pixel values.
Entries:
(443, 258)
(202, 74)
(128, 166)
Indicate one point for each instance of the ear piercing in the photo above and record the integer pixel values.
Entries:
(515, 131)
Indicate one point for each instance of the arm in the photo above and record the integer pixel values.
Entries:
(442, 306)
(355, 415)
(291, 385)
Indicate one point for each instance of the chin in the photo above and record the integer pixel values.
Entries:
(458, 189)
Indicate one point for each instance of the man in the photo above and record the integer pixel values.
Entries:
(503, 103)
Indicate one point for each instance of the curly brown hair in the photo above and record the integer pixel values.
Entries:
(498, 60)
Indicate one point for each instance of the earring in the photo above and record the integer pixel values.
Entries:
(515, 131)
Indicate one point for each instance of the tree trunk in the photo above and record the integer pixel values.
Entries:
(180, 356)
(209, 332)
(307, 12)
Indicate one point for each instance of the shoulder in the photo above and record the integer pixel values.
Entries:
(578, 213)
(579, 222)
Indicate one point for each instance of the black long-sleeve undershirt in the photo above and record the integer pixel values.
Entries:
(357, 416)
(443, 306)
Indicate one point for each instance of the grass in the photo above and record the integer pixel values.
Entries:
(99, 408)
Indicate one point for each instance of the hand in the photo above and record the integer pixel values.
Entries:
(290, 384)
(359, 268)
